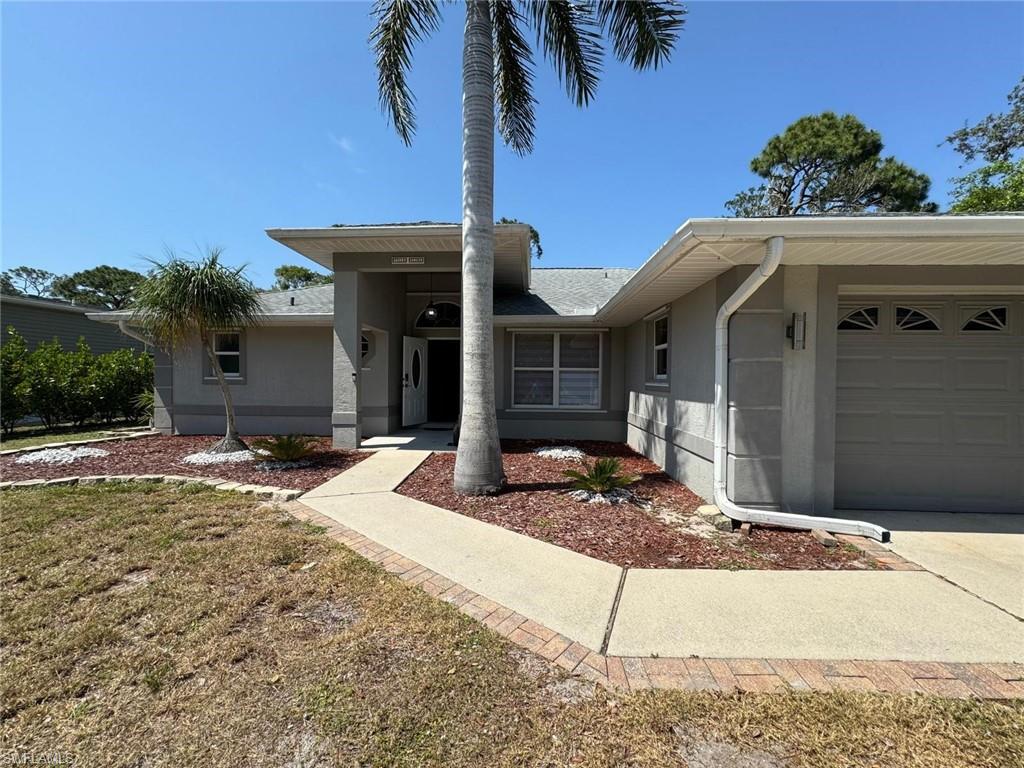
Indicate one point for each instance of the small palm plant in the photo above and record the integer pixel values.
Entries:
(144, 404)
(603, 477)
(284, 447)
(180, 300)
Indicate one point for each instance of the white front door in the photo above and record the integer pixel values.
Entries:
(414, 381)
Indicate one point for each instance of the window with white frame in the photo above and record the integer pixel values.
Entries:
(556, 370)
(227, 347)
(658, 330)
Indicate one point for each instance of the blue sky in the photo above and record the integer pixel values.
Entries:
(127, 127)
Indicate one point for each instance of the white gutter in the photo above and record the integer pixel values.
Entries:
(123, 327)
(772, 259)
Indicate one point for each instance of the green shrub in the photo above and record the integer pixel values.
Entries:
(78, 383)
(77, 386)
(13, 386)
(285, 447)
(604, 476)
(45, 377)
(120, 378)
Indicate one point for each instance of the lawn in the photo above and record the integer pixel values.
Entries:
(164, 626)
(26, 437)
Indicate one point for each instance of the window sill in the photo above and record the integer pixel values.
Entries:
(657, 384)
(554, 409)
(213, 380)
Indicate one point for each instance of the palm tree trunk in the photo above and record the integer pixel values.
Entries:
(478, 467)
(231, 442)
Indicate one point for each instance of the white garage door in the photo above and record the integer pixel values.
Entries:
(930, 404)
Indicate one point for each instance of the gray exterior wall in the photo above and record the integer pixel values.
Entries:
(671, 423)
(781, 400)
(287, 385)
(606, 423)
(382, 316)
(40, 323)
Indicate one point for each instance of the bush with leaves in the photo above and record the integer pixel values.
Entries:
(13, 387)
(604, 476)
(284, 447)
(78, 384)
(45, 379)
(118, 380)
(75, 386)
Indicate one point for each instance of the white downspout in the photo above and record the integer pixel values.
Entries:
(123, 327)
(772, 259)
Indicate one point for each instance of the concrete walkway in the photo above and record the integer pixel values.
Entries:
(910, 616)
(984, 554)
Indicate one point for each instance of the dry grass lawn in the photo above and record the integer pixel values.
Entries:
(157, 626)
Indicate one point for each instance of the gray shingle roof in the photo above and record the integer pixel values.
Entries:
(563, 291)
(554, 291)
(319, 298)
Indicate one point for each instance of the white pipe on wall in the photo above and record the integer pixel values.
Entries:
(770, 262)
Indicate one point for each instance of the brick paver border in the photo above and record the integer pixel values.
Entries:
(630, 673)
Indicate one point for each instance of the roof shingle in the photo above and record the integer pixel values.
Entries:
(565, 291)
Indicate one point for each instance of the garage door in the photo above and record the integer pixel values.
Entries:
(930, 404)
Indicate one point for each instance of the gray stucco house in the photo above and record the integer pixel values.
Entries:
(862, 362)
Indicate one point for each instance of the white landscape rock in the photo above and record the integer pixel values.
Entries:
(60, 455)
(563, 452)
(233, 457)
(617, 496)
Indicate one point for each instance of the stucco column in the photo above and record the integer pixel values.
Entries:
(345, 426)
(163, 391)
(799, 379)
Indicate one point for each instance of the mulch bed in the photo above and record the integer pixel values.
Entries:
(163, 455)
(536, 503)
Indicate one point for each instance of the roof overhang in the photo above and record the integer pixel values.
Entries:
(320, 244)
(702, 249)
(56, 306)
(265, 320)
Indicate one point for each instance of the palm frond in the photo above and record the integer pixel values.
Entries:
(568, 36)
(643, 32)
(513, 77)
(400, 25)
(180, 298)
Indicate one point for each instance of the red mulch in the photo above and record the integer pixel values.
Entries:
(161, 455)
(535, 503)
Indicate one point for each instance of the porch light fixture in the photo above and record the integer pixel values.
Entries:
(430, 313)
(797, 332)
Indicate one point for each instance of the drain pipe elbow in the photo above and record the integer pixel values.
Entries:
(765, 269)
(123, 327)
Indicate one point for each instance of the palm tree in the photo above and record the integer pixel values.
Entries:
(181, 299)
(497, 66)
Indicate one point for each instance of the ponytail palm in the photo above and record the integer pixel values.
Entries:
(182, 299)
(497, 74)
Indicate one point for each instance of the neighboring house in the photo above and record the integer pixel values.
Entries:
(38, 320)
(879, 366)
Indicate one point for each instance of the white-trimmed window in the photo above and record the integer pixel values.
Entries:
(227, 347)
(659, 348)
(556, 370)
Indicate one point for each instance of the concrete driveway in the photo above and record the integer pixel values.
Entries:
(983, 554)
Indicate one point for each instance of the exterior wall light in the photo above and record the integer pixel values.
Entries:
(797, 332)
